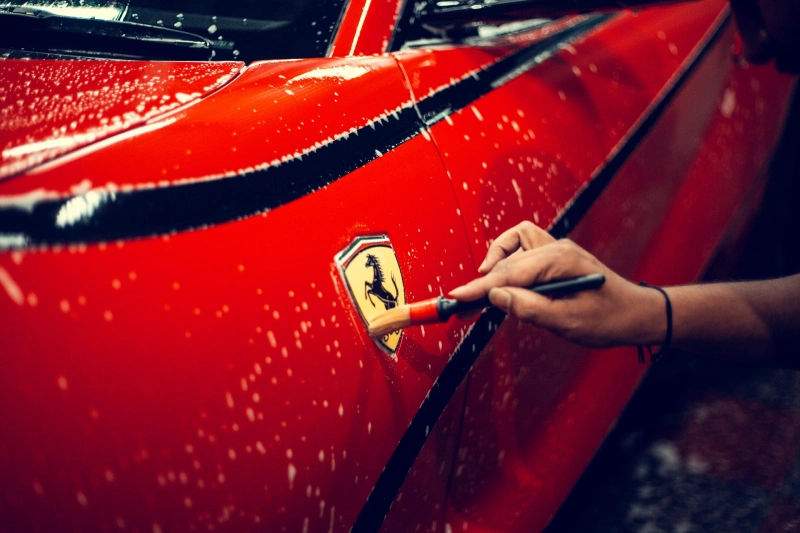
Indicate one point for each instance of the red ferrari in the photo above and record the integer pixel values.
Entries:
(202, 204)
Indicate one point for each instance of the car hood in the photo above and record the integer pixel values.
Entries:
(51, 107)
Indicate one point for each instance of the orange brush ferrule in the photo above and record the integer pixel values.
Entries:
(425, 312)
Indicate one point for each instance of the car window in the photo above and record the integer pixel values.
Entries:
(415, 29)
(245, 30)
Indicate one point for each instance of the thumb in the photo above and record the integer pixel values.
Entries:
(521, 303)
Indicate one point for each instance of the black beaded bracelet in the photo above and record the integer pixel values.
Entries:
(654, 356)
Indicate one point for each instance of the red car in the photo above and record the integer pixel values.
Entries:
(201, 205)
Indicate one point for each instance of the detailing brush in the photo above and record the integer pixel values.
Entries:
(441, 309)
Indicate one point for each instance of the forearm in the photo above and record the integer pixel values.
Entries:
(752, 321)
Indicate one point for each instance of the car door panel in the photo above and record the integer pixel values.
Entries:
(538, 406)
(602, 138)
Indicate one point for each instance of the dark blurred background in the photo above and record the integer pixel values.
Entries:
(706, 445)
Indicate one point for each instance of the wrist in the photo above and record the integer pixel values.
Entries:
(649, 318)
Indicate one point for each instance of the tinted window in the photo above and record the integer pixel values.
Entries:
(246, 30)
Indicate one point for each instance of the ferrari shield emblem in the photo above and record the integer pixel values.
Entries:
(372, 275)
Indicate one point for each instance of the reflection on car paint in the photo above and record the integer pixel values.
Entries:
(78, 104)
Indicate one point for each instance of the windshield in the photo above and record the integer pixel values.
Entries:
(246, 30)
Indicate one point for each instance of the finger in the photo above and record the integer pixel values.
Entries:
(525, 235)
(501, 275)
(520, 270)
(523, 304)
(559, 260)
(568, 257)
(502, 247)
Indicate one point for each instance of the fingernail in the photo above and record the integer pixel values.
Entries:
(500, 298)
(482, 267)
(455, 293)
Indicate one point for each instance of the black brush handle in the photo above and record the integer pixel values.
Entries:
(448, 307)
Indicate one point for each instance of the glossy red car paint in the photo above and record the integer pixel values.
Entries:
(367, 27)
(203, 366)
(50, 108)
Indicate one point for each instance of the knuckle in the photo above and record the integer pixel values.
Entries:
(569, 250)
(570, 327)
(523, 308)
(574, 325)
(568, 244)
(563, 245)
(503, 266)
(525, 313)
(493, 279)
(563, 255)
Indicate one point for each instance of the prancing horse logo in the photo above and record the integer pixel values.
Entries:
(376, 288)
(374, 281)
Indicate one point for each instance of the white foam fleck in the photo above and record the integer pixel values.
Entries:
(476, 112)
(12, 240)
(11, 287)
(342, 72)
(27, 201)
(184, 98)
(728, 104)
(667, 453)
(81, 208)
(82, 499)
(58, 144)
(518, 191)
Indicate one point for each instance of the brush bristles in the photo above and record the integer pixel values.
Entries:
(389, 321)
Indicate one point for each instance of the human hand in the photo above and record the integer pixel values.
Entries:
(618, 313)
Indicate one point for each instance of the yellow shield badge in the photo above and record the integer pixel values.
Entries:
(372, 275)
